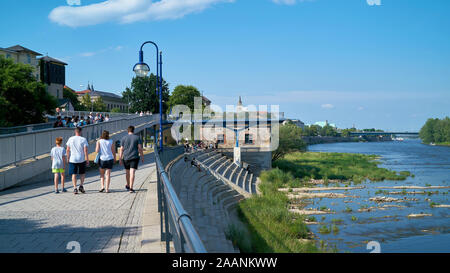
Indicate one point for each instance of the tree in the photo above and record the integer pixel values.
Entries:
(290, 141)
(143, 94)
(23, 100)
(86, 102)
(184, 95)
(70, 95)
(436, 130)
(116, 110)
(99, 105)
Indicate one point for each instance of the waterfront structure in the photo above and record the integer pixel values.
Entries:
(111, 100)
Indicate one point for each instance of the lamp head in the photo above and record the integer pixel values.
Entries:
(141, 69)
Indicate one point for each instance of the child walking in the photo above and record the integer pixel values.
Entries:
(58, 155)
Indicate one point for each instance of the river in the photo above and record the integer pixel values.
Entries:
(390, 226)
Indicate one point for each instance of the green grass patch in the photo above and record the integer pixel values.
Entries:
(337, 166)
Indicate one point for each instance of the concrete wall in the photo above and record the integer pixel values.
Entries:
(257, 159)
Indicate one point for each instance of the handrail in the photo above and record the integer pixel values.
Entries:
(183, 233)
(15, 148)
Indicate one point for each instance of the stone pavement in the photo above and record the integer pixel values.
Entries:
(33, 219)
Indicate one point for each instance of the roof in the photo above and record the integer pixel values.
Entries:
(7, 50)
(19, 48)
(52, 60)
(99, 93)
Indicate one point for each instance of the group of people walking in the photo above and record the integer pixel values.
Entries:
(77, 121)
(77, 156)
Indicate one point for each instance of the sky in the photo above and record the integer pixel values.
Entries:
(369, 63)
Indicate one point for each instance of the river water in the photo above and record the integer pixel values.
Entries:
(391, 227)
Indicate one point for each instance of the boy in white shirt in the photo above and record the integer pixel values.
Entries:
(58, 154)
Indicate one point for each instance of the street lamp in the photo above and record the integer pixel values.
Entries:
(142, 70)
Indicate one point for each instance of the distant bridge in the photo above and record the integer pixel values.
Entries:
(384, 133)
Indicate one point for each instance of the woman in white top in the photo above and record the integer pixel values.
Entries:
(107, 151)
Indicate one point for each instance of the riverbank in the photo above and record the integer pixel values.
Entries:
(311, 140)
(277, 220)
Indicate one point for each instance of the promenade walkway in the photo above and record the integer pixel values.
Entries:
(33, 219)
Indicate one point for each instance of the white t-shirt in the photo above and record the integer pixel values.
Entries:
(57, 154)
(105, 149)
(76, 145)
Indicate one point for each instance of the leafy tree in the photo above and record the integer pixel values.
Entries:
(436, 130)
(99, 105)
(86, 102)
(290, 141)
(116, 110)
(184, 95)
(328, 131)
(23, 100)
(72, 96)
(143, 94)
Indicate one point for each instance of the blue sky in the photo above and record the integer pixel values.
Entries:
(385, 66)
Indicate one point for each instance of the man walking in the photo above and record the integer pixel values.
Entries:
(129, 156)
(77, 155)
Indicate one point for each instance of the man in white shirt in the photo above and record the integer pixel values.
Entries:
(77, 156)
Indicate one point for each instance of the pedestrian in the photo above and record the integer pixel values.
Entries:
(107, 159)
(77, 155)
(58, 157)
(58, 123)
(107, 118)
(129, 156)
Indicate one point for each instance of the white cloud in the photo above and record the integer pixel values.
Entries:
(127, 11)
(74, 2)
(93, 53)
(360, 108)
(327, 106)
(289, 2)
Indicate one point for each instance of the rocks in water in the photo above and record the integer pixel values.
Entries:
(419, 215)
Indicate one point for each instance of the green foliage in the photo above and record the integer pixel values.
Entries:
(72, 96)
(272, 228)
(184, 95)
(340, 166)
(23, 100)
(143, 94)
(436, 131)
(86, 102)
(99, 105)
(116, 110)
(290, 140)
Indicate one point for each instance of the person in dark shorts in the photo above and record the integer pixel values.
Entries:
(107, 150)
(130, 155)
(77, 156)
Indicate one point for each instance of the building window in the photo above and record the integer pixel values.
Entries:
(221, 139)
(29, 58)
(8, 56)
(248, 139)
(57, 93)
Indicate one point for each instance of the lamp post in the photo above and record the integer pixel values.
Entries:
(142, 70)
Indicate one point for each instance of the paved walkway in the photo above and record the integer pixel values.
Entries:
(33, 219)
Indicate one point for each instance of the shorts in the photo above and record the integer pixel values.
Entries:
(58, 171)
(106, 164)
(131, 164)
(77, 168)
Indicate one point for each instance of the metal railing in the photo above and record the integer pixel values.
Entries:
(15, 148)
(49, 125)
(176, 224)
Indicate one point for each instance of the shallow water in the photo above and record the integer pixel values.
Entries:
(392, 228)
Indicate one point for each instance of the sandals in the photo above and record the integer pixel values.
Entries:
(102, 190)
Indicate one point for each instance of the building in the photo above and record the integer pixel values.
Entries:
(47, 70)
(325, 123)
(296, 122)
(111, 100)
(53, 74)
(20, 54)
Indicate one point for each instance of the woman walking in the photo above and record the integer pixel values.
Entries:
(107, 152)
